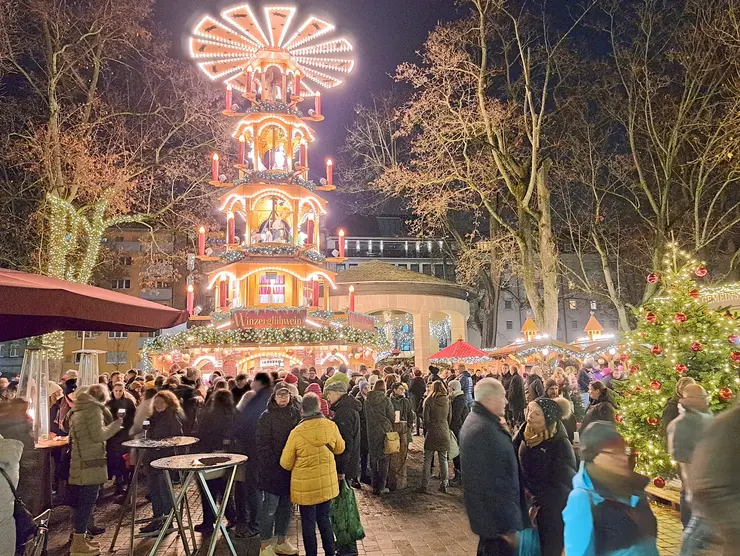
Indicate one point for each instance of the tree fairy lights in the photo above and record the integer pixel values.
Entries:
(677, 335)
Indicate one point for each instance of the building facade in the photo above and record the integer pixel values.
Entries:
(134, 273)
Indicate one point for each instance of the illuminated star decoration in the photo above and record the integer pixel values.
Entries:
(226, 47)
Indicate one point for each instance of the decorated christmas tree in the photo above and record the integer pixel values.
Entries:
(677, 335)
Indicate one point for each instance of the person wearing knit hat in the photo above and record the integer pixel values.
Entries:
(372, 380)
(552, 390)
(316, 389)
(290, 378)
(548, 464)
(605, 492)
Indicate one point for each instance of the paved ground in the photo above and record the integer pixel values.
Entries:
(403, 523)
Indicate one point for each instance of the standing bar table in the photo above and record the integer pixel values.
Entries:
(141, 445)
(199, 465)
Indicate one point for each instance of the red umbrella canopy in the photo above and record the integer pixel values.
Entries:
(31, 305)
(461, 352)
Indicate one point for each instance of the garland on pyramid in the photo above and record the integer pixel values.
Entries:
(677, 335)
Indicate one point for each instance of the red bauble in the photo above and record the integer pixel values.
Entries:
(623, 357)
(659, 482)
(735, 356)
(639, 389)
(696, 346)
(733, 339)
(694, 293)
(680, 318)
(653, 421)
(634, 369)
(725, 394)
(618, 418)
(656, 350)
(653, 278)
(655, 385)
(652, 318)
(681, 368)
(701, 272)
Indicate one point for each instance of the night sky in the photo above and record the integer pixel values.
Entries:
(384, 33)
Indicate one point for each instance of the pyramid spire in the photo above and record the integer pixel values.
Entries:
(529, 329)
(593, 328)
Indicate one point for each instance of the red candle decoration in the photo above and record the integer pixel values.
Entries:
(694, 293)
(725, 394)
(223, 293)
(190, 299)
(656, 350)
(341, 244)
(680, 318)
(329, 172)
(317, 105)
(696, 346)
(242, 150)
(228, 97)
(201, 241)
(214, 167)
(303, 155)
(652, 318)
(680, 368)
(352, 299)
(230, 228)
(310, 240)
(701, 272)
(652, 278)
(249, 79)
(297, 85)
(315, 300)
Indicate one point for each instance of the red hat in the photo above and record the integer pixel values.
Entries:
(290, 378)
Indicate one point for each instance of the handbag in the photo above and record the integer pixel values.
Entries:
(345, 517)
(392, 443)
(454, 450)
(25, 527)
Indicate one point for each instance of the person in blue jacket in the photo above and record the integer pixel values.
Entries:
(607, 512)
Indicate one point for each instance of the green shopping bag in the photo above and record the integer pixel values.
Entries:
(345, 518)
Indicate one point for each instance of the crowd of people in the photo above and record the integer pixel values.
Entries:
(511, 439)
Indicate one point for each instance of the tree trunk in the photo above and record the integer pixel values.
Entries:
(548, 254)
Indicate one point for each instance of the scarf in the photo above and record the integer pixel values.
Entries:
(534, 438)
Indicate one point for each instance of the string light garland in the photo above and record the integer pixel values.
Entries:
(441, 330)
(272, 250)
(677, 335)
(271, 176)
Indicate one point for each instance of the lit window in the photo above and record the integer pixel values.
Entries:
(272, 288)
(593, 305)
(572, 304)
(117, 335)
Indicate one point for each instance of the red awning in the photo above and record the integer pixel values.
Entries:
(31, 305)
(461, 352)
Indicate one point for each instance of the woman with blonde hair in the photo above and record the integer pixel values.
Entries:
(90, 426)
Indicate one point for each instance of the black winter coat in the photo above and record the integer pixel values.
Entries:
(548, 468)
(535, 388)
(460, 411)
(214, 429)
(379, 416)
(506, 381)
(600, 410)
(128, 421)
(417, 390)
(363, 425)
(515, 393)
(490, 475)
(245, 422)
(347, 418)
(237, 392)
(437, 416)
(403, 405)
(273, 429)
(162, 424)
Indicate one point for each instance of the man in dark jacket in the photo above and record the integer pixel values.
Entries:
(517, 398)
(493, 498)
(584, 378)
(347, 418)
(433, 374)
(247, 493)
(241, 387)
(466, 383)
(417, 390)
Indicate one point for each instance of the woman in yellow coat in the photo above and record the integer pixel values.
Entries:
(309, 455)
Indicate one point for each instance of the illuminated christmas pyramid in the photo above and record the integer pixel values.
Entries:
(271, 280)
